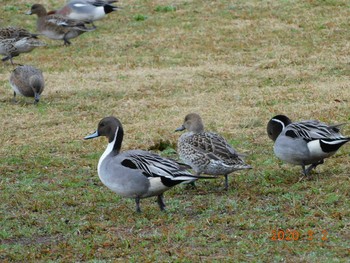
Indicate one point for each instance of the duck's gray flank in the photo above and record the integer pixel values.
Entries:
(135, 173)
(207, 152)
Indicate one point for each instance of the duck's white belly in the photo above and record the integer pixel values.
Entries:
(16, 89)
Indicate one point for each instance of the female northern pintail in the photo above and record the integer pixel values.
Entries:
(56, 26)
(306, 142)
(27, 81)
(14, 41)
(135, 173)
(207, 152)
(86, 10)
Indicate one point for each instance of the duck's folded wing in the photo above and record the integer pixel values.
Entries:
(100, 2)
(213, 145)
(57, 20)
(153, 165)
(313, 130)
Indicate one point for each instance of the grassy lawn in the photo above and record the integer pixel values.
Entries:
(237, 63)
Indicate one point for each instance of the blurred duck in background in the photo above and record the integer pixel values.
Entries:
(58, 27)
(86, 10)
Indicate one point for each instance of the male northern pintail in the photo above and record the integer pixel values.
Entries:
(304, 143)
(56, 26)
(14, 41)
(86, 10)
(135, 173)
(27, 81)
(207, 152)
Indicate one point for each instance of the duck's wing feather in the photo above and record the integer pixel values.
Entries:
(153, 165)
(313, 130)
(100, 2)
(58, 20)
(213, 145)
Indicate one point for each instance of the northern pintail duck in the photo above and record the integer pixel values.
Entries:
(304, 143)
(56, 26)
(135, 173)
(207, 152)
(86, 10)
(14, 41)
(27, 81)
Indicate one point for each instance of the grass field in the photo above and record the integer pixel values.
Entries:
(237, 63)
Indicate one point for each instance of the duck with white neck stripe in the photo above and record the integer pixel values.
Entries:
(136, 173)
(304, 143)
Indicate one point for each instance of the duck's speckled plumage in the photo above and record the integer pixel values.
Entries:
(304, 143)
(14, 41)
(136, 173)
(56, 26)
(207, 152)
(15, 32)
(27, 81)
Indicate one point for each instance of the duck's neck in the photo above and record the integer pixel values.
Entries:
(116, 140)
(114, 145)
(281, 124)
(35, 83)
(279, 127)
(40, 23)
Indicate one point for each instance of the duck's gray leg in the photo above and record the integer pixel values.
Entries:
(313, 166)
(192, 184)
(8, 58)
(308, 170)
(137, 201)
(226, 182)
(160, 201)
(66, 41)
(304, 170)
(14, 97)
(93, 25)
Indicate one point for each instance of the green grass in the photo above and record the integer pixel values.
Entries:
(237, 63)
